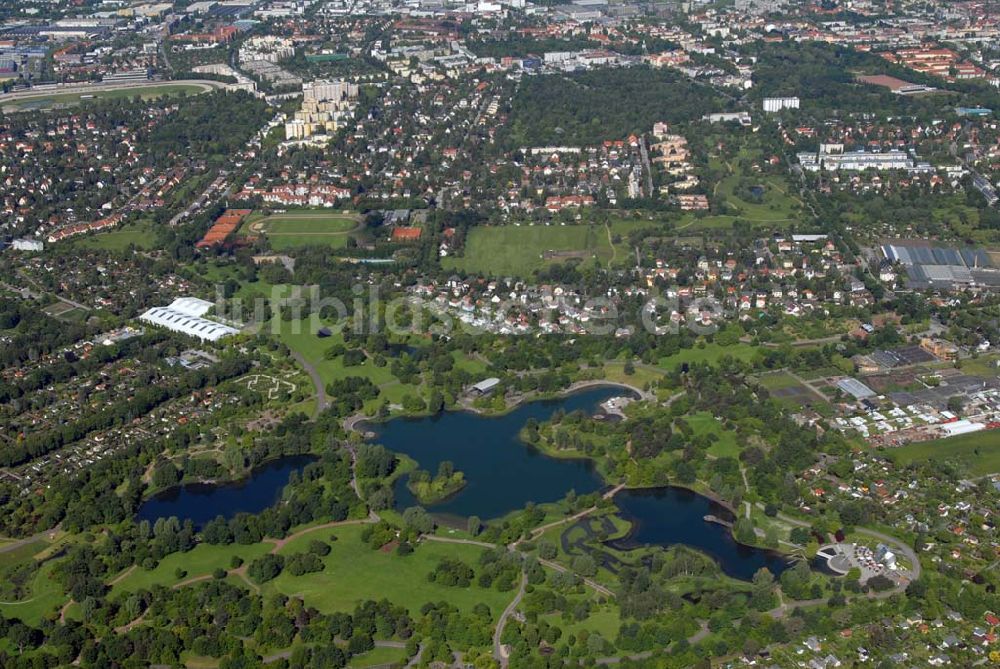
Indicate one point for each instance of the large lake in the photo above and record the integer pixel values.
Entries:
(502, 472)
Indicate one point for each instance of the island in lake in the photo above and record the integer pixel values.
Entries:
(431, 490)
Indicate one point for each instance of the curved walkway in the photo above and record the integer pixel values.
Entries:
(593, 585)
(542, 529)
(598, 383)
(499, 653)
(280, 543)
(321, 399)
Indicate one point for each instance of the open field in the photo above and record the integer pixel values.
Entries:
(614, 370)
(710, 354)
(977, 454)
(984, 365)
(304, 228)
(512, 250)
(775, 204)
(378, 657)
(355, 572)
(777, 380)
(705, 423)
(46, 597)
(22, 553)
(40, 101)
(603, 619)
(142, 235)
(301, 338)
(200, 561)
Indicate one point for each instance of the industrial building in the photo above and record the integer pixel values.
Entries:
(186, 316)
(943, 267)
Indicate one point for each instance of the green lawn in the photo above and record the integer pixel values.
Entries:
(777, 380)
(142, 235)
(603, 620)
(22, 553)
(977, 454)
(43, 102)
(301, 337)
(46, 598)
(776, 204)
(201, 560)
(614, 370)
(705, 423)
(710, 353)
(985, 365)
(511, 250)
(354, 572)
(377, 658)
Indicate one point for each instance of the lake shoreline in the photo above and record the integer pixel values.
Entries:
(358, 422)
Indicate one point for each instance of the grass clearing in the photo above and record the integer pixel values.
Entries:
(614, 370)
(354, 573)
(704, 422)
(22, 553)
(603, 620)
(142, 235)
(512, 250)
(978, 453)
(777, 380)
(199, 561)
(378, 657)
(710, 353)
(45, 599)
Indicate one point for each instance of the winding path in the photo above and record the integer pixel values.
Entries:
(499, 653)
(593, 585)
(542, 529)
(322, 402)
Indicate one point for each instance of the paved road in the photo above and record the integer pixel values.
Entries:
(38, 294)
(896, 544)
(46, 535)
(646, 166)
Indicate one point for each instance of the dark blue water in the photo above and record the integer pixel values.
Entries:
(502, 473)
(202, 502)
(665, 516)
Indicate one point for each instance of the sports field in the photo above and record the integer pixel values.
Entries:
(305, 228)
(976, 454)
(61, 100)
(511, 250)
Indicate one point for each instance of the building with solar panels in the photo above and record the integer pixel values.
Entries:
(943, 267)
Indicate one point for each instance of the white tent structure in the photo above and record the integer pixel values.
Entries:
(185, 315)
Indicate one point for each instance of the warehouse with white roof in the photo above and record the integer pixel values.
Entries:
(185, 315)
